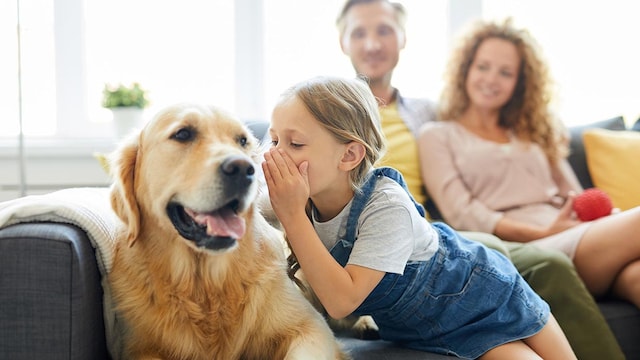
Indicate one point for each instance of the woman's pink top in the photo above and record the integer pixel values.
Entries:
(475, 182)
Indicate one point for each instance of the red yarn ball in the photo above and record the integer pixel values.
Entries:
(592, 204)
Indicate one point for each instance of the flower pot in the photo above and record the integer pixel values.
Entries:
(125, 119)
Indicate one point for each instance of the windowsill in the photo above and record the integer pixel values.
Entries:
(57, 147)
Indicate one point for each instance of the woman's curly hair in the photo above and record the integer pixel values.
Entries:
(527, 112)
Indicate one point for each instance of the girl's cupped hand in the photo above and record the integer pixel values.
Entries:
(288, 184)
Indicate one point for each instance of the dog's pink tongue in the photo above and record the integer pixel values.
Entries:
(223, 223)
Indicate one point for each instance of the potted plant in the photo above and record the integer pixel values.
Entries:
(127, 104)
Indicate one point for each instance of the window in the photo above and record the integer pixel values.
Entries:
(242, 54)
(9, 67)
(237, 54)
(179, 51)
(305, 43)
(591, 50)
(36, 63)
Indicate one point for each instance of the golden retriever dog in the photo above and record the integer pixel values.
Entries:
(198, 272)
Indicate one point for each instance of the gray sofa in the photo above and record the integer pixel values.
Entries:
(51, 296)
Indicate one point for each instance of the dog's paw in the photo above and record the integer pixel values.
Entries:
(365, 328)
(360, 327)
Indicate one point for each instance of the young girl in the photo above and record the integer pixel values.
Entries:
(366, 248)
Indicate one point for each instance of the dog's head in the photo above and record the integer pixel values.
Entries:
(191, 170)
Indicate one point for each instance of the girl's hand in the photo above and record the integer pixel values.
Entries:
(288, 185)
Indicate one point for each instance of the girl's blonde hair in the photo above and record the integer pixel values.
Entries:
(527, 112)
(349, 111)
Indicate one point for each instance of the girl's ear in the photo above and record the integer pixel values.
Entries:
(353, 155)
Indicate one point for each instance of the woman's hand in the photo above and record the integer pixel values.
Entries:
(513, 230)
(566, 218)
(288, 185)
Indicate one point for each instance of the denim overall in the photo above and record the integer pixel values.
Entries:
(464, 301)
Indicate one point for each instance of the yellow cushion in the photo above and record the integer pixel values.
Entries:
(613, 158)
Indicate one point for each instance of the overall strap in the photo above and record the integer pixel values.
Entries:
(361, 197)
(397, 176)
(357, 205)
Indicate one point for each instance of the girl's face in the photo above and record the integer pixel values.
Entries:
(302, 137)
(493, 74)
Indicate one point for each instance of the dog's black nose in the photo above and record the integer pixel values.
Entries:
(238, 168)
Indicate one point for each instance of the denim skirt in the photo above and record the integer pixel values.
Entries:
(464, 301)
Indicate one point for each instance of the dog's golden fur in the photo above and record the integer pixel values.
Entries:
(222, 298)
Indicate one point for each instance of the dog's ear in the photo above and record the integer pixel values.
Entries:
(123, 197)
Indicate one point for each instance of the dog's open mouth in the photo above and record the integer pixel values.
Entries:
(214, 230)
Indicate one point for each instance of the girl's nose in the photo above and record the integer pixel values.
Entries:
(278, 148)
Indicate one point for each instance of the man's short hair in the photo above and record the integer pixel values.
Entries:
(401, 13)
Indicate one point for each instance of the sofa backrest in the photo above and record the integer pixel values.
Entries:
(259, 129)
(577, 157)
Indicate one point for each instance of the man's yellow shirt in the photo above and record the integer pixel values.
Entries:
(402, 150)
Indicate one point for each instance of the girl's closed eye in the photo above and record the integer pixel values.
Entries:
(292, 144)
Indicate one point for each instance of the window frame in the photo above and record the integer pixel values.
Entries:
(249, 73)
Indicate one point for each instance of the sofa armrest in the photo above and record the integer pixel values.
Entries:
(50, 294)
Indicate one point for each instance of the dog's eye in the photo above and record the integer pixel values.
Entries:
(184, 134)
(243, 141)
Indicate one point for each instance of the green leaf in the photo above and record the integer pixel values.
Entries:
(123, 96)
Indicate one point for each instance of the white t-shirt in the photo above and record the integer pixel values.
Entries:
(390, 230)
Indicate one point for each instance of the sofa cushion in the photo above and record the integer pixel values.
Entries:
(612, 157)
(577, 157)
(624, 320)
(384, 350)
